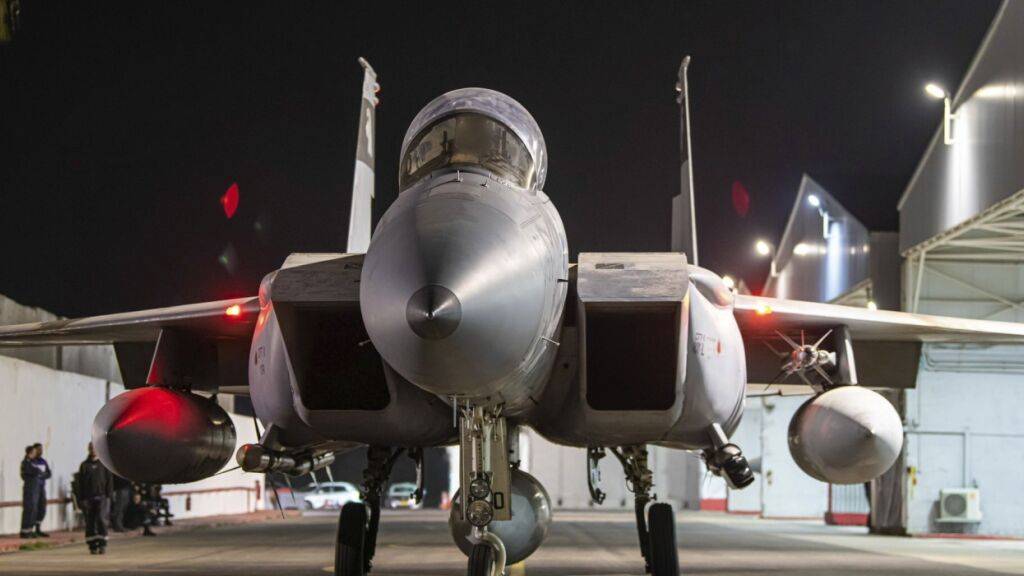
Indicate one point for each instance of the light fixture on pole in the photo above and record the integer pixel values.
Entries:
(765, 248)
(816, 203)
(937, 92)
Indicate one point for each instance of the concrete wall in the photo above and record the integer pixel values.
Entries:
(39, 404)
(12, 312)
(964, 429)
(96, 361)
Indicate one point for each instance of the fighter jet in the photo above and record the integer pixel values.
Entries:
(462, 321)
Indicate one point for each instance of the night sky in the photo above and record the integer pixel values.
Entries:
(121, 127)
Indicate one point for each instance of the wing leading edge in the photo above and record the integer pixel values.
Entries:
(760, 317)
(222, 319)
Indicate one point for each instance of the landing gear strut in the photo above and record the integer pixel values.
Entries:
(486, 480)
(359, 522)
(655, 526)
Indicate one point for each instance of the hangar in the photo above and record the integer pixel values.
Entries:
(958, 252)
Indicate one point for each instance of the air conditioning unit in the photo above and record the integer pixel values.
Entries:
(960, 505)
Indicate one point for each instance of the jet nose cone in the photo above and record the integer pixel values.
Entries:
(433, 312)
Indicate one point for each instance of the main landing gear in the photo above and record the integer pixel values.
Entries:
(359, 521)
(655, 524)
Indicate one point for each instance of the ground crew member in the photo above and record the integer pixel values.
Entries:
(122, 498)
(29, 493)
(44, 475)
(95, 486)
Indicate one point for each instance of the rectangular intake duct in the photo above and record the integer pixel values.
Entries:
(632, 311)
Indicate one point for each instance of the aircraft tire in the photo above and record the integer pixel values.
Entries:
(351, 540)
(664, 556)
(481, 560)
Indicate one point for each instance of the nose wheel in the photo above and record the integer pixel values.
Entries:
(481, 560)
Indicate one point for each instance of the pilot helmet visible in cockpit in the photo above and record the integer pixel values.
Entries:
(476, 130)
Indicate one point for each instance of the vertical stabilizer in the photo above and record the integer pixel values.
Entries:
(684, 221)
(361, 211)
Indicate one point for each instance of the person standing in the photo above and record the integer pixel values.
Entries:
(122, 498)
(95, 486)
(44, 474)
(29, 493)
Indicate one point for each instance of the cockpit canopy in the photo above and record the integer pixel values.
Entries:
(475, 128)
(468, 139)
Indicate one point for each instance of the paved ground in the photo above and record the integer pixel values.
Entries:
(585, 543)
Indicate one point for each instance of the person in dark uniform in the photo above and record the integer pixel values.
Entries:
(122, 498)
(140, 514)
(44, 475)
(95, 485)
(29, 493)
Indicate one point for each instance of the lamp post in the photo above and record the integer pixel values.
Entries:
(765, 248)
(815, 203)
(937, 92)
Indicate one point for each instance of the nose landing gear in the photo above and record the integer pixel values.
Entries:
(486, 478)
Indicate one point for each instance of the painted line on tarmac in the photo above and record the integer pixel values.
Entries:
(513, 570)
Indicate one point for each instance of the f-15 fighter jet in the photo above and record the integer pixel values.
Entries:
(461, 321)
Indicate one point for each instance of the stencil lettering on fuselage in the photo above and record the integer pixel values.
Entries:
(706, 345)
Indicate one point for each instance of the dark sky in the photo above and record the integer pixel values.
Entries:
(121, 127)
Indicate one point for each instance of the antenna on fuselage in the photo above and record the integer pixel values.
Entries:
(684, 220)
(360, 218)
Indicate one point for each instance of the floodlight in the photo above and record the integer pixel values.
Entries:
(935, 91)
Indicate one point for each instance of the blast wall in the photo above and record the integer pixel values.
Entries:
(55, 408)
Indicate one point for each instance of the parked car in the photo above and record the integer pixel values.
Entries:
(400, 496)
(331, 495)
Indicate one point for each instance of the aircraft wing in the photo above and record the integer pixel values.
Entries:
(761, 317)
(204, 344)
(875, 348)
(221, 319)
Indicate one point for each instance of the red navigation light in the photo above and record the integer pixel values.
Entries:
(233, 311)
(229, 201)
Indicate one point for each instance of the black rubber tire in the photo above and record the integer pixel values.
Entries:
(351, 541)
(481, 559)
(661, 527)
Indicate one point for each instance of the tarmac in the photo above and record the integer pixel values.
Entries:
(590, 543)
